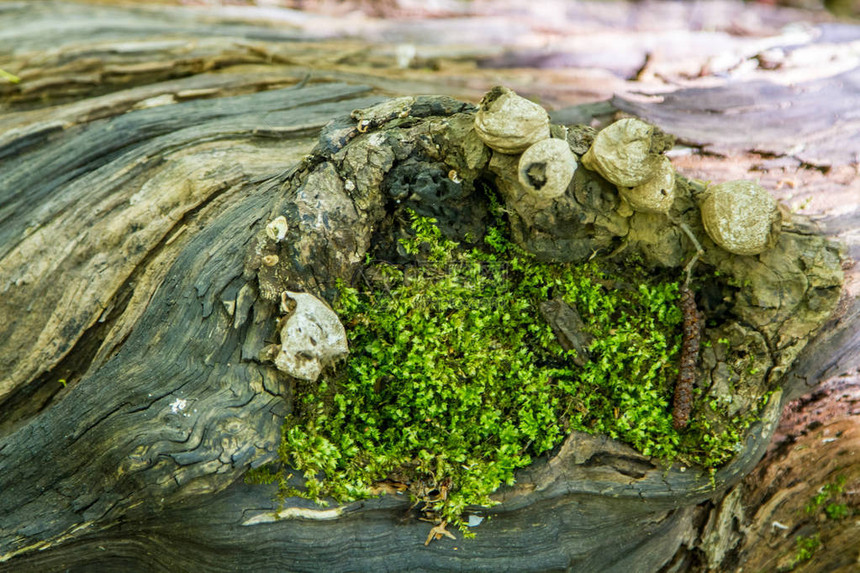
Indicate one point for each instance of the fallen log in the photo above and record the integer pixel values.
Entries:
(132, 403)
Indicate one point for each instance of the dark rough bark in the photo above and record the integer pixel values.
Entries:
(139, 315)
(125, 225)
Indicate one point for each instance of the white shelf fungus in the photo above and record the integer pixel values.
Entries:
(277, 229)
(312, 337)
(741, 217)
(509, 123)
(655, 195)
(546, 168)
(623, 153)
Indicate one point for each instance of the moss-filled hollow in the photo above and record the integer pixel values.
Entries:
(456, 376)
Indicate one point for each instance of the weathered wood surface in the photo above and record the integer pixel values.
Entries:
(125, 219)
(816, 444)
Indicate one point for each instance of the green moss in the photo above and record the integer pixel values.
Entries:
(261, 475)
(454, 374)
(828, 497)
(806, 548)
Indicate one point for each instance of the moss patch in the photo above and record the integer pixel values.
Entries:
(454, 377)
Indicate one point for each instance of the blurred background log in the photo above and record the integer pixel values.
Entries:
(145, 144)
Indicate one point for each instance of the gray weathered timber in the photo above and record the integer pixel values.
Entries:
(824, 130)
(131, 281)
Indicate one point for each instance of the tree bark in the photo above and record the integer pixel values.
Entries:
(142, 154)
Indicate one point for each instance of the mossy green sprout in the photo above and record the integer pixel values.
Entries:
(454, 375)
(806, 547)
(828, 498)
(11, 78)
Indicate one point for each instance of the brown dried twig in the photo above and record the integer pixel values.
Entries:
(683, 401)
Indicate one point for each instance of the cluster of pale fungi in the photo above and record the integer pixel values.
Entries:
(739, 216)
(312, 336)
